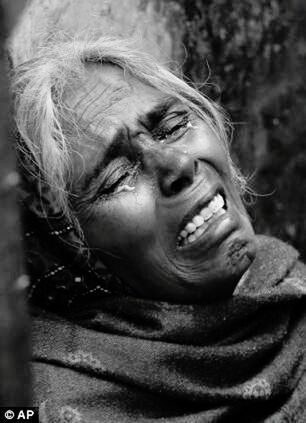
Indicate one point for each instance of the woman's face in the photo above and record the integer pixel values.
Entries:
(156, 198)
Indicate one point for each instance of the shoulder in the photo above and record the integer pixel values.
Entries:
(67, 371)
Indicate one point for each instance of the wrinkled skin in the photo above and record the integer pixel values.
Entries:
(135, 203)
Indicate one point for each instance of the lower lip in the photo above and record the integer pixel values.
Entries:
(215, 234)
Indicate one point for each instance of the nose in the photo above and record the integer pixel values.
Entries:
(175, 169)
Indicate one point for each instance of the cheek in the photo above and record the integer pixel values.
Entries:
(205, 145)
(125, 221)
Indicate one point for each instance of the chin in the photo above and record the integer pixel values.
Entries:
(236, 256)
(216, 277)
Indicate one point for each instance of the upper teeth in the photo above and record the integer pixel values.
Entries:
(198, 224)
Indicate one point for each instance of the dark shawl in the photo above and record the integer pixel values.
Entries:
(128, 360)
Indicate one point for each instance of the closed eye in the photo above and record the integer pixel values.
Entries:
(119, 176)
(174, 128)
(114, 186)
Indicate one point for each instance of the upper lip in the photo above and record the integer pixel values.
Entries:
(200, 204)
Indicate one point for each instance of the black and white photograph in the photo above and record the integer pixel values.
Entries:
(153, 211)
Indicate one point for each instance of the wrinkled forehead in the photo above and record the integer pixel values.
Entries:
(107, 98)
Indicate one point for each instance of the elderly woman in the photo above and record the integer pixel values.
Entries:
(152, 298)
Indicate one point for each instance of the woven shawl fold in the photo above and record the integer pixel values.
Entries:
(128, 360)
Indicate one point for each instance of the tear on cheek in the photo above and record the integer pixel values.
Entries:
(127, 188)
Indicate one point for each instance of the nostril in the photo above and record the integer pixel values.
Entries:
(184, 178)
(175, 171)
(179, 185)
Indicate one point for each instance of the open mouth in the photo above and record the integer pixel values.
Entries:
(201, 219)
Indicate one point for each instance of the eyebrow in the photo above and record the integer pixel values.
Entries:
(116, 147)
